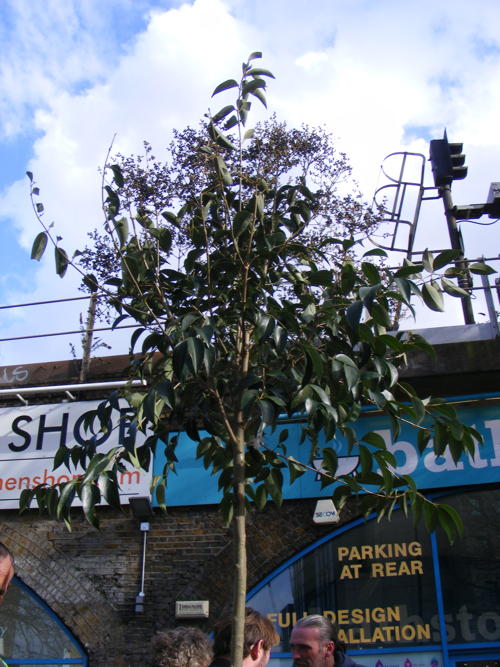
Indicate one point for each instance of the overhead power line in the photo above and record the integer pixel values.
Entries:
(67, 333)
(43, 303)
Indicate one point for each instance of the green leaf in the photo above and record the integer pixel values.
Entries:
(225, 85)
(223, 171)
(220, 115)
(241, 221)
(352, 375)
(295, 469)
(428, 261)
(195, 351)
(248, 398)
(254, 55)
(179, 355)
(113, 202)
(232, 122)
(446, 257)
(257, 71)
(221, 138)
(368, 295)
(376, 251)
(481, 268)
(264, 327)
(117, 175)
(380, 315)
(450, 288)
(253, 85)
(171, 217)
(62, 261)
(404, 289)
(66, 498)
(267, 411)
(227, 509)
(423, 437)
(430, 516)
(39, 245)
(419, 409)
(165, 238)
(259, 205)
(371, 272)
(274, 485)
(408, 270)
(90, 281)
(375, 439)
(308, 313)
(90, 496)
(451, 522)
(353, 314)
(322, 277)
(25, 499)
(121, 229)
(260, 96)
(315, 358)
(261, 497)
(432, 296)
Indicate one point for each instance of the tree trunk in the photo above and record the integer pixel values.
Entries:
(240, 553)
(87, 337)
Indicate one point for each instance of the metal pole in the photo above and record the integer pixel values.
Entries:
(456, 243)
(490, 304)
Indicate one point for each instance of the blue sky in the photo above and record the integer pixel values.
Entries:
(382, 75)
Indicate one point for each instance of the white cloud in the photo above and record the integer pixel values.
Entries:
(367, 71)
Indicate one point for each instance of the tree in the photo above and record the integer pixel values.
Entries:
(275, 153)
(257, 319)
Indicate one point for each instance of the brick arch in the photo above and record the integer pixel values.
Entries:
(66, 590)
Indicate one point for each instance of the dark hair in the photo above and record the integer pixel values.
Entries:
(257, 627)
(182, 647)
(328, 632)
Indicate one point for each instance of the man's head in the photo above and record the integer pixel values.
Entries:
(6, 570)
(182, 647)
(259, 638)
(314, 642)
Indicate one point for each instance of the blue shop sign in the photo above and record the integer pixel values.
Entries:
(193, 485)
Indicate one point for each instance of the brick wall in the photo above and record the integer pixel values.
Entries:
(90, 577)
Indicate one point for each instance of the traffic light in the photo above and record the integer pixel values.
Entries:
(447, 161)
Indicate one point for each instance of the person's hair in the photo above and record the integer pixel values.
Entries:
(182, 647)
(328, 632)
(257, 627)
(5, 553)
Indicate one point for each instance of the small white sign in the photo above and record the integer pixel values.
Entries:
(191, 609)
(325, 512)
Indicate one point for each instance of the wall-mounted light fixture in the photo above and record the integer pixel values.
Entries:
(141, 510)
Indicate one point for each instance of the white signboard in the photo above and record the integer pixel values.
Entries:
(31, 435)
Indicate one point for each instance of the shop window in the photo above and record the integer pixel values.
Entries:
(470, 570)
(384, 584)
(375, 581)
(30, 631)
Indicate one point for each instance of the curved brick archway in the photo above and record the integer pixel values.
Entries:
(56, 579)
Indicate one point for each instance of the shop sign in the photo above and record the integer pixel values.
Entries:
(191, 485)
(31, 435)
